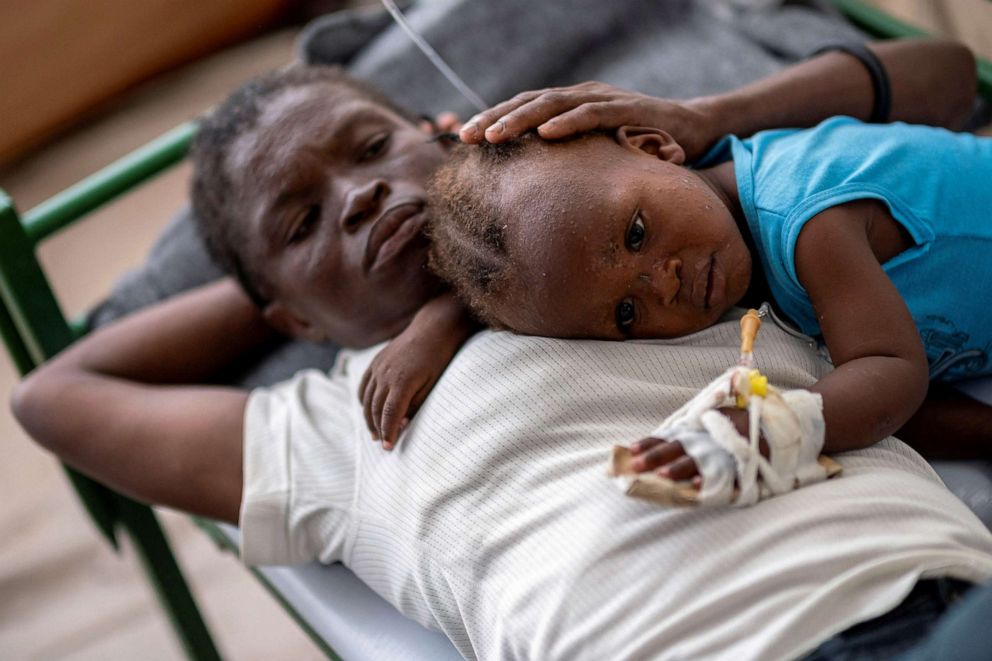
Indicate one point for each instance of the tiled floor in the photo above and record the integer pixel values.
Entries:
(63, 593)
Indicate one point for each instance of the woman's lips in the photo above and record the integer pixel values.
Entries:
(392, 231)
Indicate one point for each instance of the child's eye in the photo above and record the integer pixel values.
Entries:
(625, 314)
(375, 148)
(305, 225)
(635, 233)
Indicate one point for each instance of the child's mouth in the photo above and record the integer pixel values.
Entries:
(708, 285)
(702, 285)
(716, 283)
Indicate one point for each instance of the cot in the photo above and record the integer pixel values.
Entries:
(345, 618)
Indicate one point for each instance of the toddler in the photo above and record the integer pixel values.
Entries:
(873, 237)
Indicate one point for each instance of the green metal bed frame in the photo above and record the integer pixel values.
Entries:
(34, 328)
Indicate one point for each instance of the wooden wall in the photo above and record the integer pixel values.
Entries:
(60, 58)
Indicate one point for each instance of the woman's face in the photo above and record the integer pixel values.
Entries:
(334, 204)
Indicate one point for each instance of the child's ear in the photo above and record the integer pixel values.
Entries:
(279, 316)
(651, 141)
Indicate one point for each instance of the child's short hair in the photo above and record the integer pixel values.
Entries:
(468, 247)
(468, 224)
(212, 186)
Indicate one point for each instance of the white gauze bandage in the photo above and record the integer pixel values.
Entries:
(732, 468)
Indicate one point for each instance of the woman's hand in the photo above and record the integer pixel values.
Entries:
(560, 112)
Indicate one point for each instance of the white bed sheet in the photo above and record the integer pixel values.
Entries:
(352, 619)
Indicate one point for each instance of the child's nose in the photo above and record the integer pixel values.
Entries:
(666, 281)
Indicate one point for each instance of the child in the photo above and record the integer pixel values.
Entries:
(873, 237)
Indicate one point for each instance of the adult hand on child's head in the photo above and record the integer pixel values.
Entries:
(560, 112)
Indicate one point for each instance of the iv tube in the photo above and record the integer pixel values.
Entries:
(435, 59)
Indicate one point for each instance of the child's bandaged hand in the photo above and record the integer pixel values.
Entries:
(739, 440)
(668, 459)
(560, 112)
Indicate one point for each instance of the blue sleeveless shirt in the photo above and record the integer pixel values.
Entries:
(936, 183)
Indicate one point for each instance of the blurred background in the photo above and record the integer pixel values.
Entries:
(83, 82)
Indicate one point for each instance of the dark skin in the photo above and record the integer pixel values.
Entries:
(933, 82)
(130, 412)
(639, 247)
(333, 190)
(655, 250)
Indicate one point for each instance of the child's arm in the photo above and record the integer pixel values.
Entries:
(403, 374)
(880, 376)
(933, 81)
(112, 407)
(948, 425)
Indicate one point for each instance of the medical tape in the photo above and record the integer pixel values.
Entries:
(791, 423)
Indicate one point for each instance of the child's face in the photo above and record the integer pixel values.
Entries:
(612, 238)
(333, 199)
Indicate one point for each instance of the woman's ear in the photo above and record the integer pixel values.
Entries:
(279, 316)
(651, 141)
(442, 129)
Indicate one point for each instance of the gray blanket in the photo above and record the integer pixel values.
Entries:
(669, 48)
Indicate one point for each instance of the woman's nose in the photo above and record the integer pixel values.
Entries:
(362, 202)
(665, 280)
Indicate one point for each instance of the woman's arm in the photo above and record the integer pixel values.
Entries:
(950, 425)
(933, 82)
(112, 405)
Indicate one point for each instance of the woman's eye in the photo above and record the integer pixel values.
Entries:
(625, 314)
(375, 148)
(305, 225)
(635, 233)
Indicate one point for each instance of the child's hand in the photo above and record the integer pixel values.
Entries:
(403, 374)
(563, 111)
(397, 383)
(668, 459)
(664, 458)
